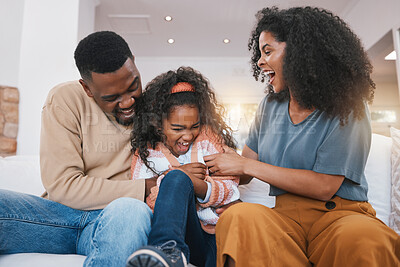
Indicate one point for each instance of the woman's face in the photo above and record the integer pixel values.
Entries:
(181, 129)
(271, 60)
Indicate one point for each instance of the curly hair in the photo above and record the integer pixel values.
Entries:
(157, 102)
(101, 52)
(324, 67)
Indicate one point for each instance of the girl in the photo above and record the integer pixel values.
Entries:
(177, 124)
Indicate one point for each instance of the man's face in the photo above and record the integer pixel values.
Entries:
(116, 92)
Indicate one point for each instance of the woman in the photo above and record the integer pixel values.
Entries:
(310, 141)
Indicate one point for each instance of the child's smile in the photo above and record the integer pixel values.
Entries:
(181, 128)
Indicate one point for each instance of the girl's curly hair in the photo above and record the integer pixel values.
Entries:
(157, 102)
(325, 65)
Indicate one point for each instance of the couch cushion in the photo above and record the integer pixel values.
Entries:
(378, 174)
(22, 174)
(257, 192)
(41, 260)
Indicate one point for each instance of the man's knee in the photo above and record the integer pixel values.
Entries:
(129, 210)
(11, 196)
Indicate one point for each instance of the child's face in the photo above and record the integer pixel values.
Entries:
(181, 129)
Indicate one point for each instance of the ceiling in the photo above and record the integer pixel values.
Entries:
(384, 70)
(198, 26)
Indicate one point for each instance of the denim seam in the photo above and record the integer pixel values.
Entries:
(80, 228)
(183, 233)
(38, 222)
(94, 241)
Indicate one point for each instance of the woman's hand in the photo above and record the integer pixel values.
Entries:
(227, 163)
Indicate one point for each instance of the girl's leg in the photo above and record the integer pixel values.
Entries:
(175, 198)
(229, 262)
(174, 216)
(202, 246)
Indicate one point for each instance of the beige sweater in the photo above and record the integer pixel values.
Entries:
(85, 155)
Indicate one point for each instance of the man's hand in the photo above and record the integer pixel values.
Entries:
(149, 183)
(223, 208)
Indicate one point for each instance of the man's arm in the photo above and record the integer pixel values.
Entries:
(63, 168)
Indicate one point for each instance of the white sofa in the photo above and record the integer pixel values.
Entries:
(21, 173)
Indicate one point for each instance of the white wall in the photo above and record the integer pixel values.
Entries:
(49, 37)
(371, 20)
(386, 94)
(386, 98)
(86, 17)
(11, 14)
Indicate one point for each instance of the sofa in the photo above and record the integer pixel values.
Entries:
(22, 173)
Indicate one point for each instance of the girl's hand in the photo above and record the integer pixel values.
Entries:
(227, 163)
(223, 208)
(196, 172)
(149, 183)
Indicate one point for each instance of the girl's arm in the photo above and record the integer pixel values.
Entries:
(196, 172)
(301, 182)
(136, 166)
(223, 190)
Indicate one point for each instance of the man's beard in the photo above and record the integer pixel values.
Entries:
(126, 122)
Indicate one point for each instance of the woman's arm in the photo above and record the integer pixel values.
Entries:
(301, 182)
(247, 153)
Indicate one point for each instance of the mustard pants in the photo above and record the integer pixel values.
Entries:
(305, 232)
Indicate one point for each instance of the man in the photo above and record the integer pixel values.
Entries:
(91, 206)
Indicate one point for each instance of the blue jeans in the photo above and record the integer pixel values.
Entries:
(107, 237)
(175, 218)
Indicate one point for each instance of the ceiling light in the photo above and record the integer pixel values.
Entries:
(391, 56)
(226, 41)
(168, 18)
(171, 41)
